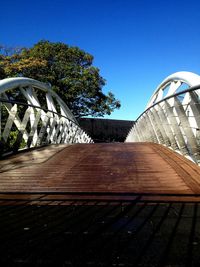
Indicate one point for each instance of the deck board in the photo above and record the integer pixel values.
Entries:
(143, 168)
(99, 205)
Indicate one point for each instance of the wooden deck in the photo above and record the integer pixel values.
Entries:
(143, 168)
(99, 205)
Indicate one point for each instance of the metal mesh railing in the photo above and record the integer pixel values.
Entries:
(25, 126)
(174, 122)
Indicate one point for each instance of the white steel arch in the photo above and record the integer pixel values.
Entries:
(35, 115)
(27, 86)
(172, 116)
(172, 84)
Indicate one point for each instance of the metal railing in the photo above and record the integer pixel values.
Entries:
(173, 121)
(26, 124)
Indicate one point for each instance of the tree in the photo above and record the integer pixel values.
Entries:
(70, 72)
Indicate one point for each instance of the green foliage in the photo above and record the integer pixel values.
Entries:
(70, 72)
(12, 143)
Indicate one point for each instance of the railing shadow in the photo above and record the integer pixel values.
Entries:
(97, 230)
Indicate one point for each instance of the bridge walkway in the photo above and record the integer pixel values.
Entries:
(114, 168)
(99, 205)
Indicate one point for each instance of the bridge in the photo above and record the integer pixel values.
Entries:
(67, 201)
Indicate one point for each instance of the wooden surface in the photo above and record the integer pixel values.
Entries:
(132, 218)
(143, 168)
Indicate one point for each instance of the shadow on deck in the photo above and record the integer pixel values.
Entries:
(52, 231)
(92, 211)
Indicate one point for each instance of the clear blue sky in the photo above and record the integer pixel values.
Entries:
(135, 43)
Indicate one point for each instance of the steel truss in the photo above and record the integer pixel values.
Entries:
(32, 114)
(172, 116)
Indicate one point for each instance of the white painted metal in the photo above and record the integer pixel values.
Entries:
(174, 81)
(12, 83)
(30, 122)
(172, 117)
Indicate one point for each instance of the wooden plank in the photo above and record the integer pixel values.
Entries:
(141, 168)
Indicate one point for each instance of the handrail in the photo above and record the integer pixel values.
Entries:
(172, 121)
(37, 107)
(191, 89)
(34, 125)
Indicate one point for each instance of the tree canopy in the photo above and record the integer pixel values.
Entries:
(70, 72)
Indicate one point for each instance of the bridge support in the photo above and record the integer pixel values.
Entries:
(172, 117)
(32, 114)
